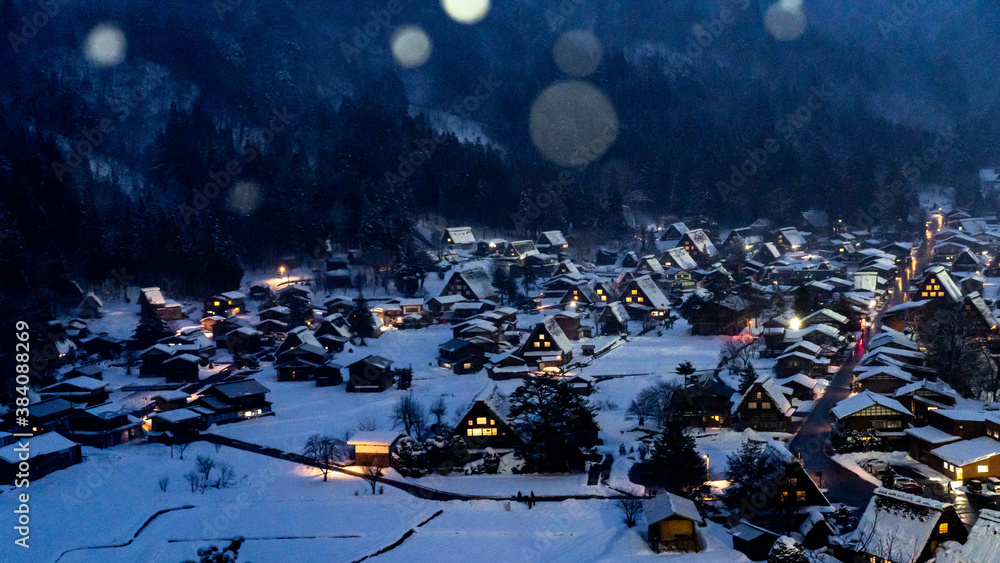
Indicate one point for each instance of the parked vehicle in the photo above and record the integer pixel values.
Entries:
(876, 466)
(993, 485)
(908, 485)
(974, 486)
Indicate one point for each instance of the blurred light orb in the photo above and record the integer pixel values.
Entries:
(785, 20)
(469, 12)
(578, 52)
(411, 46)
(244, 198)
(573, 123)
(105, 45)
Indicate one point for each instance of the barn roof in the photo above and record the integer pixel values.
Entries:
(666, 505)
(461, 235)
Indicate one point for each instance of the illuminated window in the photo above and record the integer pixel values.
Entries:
(792, 482)
(758, 394)
(547, 343)
(639, 299)
(800, 496)
(600, 292)
(752, 405)
(765, 405)
(236, 311)
(784, 495)
(937, 287)
(493, 422)
(467, 365)
(481, 420)
(943, 528)
(983, 469)
(477, 431)
(604, 298)
(538, 344)
(470, 423)
(469, 432)
(216, 303)
(541, 337)
(635, 292)
(628, 299)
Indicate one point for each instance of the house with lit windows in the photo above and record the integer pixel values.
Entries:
(225, 304)
(581, 295)
(764, 407)
(869, 415)
(644, 300)
(700, 247)
(677, 258)
(978, 458)
(603, 291)
(458, 236)
(485, 423)
(938, 284)
(900, 527)
(547, 346)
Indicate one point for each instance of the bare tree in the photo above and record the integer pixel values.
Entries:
(193, 479)
(225, 475)
(372, 473)
(439, 409)
(324, 451)
(181, 447)
(630, 506)
(409, 413)
(653, 402)
(204, 465)
(164, 481)
(737, 351)
(367, 424)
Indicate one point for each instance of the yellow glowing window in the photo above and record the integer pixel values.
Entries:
(792, 482)
(236, 310)
(467, 365)
(216, 303)
(477, 431)
(538, 344)
(541, 337)
(758, 394)
(800, 496)
(481, 420)
(983, 468)
(639, 299)
(468, 432)
(635, 292)
(930, 287)
(937, 287)
(604, 298)
(547, 343)
(943, 528)
(229, 303)
(752, 405)
(600, 291)
(765, 405)
(470, 423)
(628, 299)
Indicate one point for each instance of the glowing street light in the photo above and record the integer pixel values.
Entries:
(871, 304)
(795, 323)
(282, 271)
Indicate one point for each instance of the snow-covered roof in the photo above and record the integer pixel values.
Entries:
(828, 313)
(896, 525)
(461, 235)
(495, 399)
(666, 505)
(867, 372)
(947, 283)
(44, 444)
(153, 296)
(374, 438)
(931, 435)
(652, 292)
(679, 258)
(242, 388)
(968, 451)
(175, 395)
(176, 415)
(773, 390)
(478, 281)
(701, 241)
(555, 238)
(82, 382)
(559, 337)
(935, 386)
(184, 358)
(800, 378)
(983, 544)
(863, 400)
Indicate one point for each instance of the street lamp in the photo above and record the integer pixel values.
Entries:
(282, 271)
(871, 304)
(795, 323)
(706, 467)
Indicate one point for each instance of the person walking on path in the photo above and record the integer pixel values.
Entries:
(519, 498)
(532, 499)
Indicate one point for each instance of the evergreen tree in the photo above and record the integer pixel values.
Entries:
(674, 463)
(150, 329)
(786, 550)
(748, 469)
(361, 320)
(409, 274)
(557, 425)
(747, 376)
(686, 369)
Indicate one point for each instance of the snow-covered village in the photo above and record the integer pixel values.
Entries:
(470, 281)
